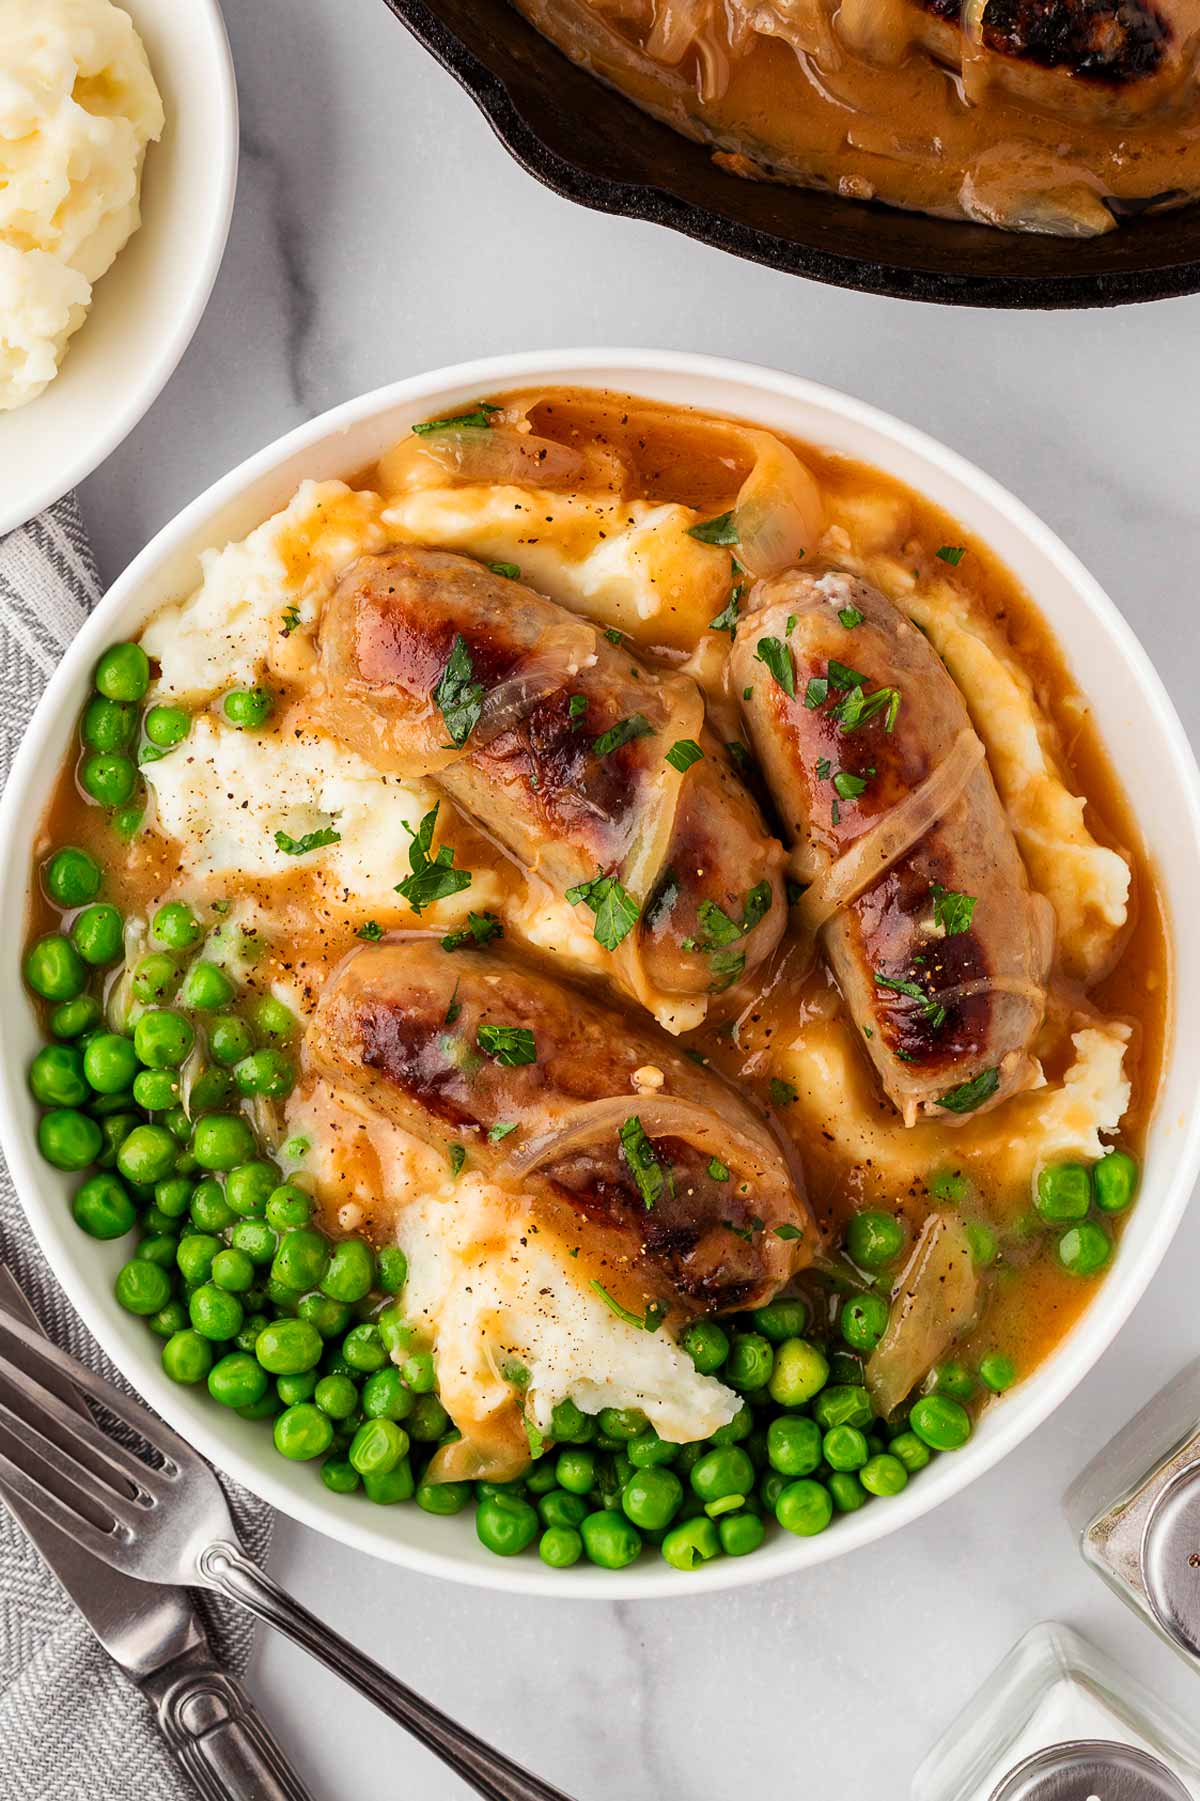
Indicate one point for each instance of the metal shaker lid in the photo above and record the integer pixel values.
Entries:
(1090, 1770)
(1170, 1558)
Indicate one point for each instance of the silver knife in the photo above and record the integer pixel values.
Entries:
(153, 1632)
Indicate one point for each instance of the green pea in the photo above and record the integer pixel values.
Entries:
(561, 1509)
(985, 1246)
(727, 1471)
(805, 1508)
(997, 1372)
(273, 1019)
(302, 1387)
(142, 1287)
(793, 1445)
(233, 1271)
(863, 1321)
(108, 778)
(126, 821)
(954, 1378)
(340, 1476)
(707, 1346)
(378, 1446)
(847, 1405)
(800, 1372)
(220, 1140)
(110, 1063)
(68, 1139)
(443, 1498)
(846, 1492)
(265, 1071)
(303, 1432)
(651, 1497)
(265, 1408)
(206, 988)
(169, 1319)
(1064, 1192)
(351, 1272)
(167, 726)
(255, 1239)
(147, 1154)
(940, 1422)
(770, 1487)
(214, 1313)
(387, 1487)
(247, 708)
(623, 1423)
(506, 1525)
(364, 1349)
(56, 1077)
(874, 1240)
(247, 1190)
(1084, 1249)
(114, 1130)
(691, 1543)
(396, 1332)
(750, 1362)
(288, 1346)
(102, 1207)
(54, 969)
(160, 1248)
(782, 1318)
(740, 1533)
(648, 1451)
(302, 1259)
(108, 725)
(163, 1039)
(560, 1547)
(845, 1448)
(540, 1478)
(157, 1090)
(285, 1300)
(72, 877)
(391, 1272)
(229, 1040)
(71, 1019)
(123, 673)
(237, 1380)
(209, 1209)
(418, 1372)
(912, 1451)
(173, 1196)
(428, 1422)
(739, 1428)
(610, 1540)
(883, 1475)
(1115, 1179)
(253, 1326)
(384, 1396)
(98, 934)
(288, 1206)
(337, 1396)
(576, 1471)
(331, 1318)
(176, 926)
(195, 1256)
(186, 1357)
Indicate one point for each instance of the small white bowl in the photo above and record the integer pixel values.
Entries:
(1134, 715)
(145, 310)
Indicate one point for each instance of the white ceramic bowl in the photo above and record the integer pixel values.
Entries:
(1134, 714)
(146, 308)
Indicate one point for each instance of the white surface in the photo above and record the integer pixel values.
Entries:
(380, 230)
(146, 308)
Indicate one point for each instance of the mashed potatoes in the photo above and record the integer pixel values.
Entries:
(78, 106)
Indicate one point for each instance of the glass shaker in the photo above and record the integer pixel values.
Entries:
(1057, 1721)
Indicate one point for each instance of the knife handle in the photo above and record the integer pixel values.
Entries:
(219, 1737)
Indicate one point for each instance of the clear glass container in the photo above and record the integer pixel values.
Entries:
(1135, 1511)
(1054, 1689)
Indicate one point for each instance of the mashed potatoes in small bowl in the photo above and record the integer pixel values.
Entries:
(118, 151)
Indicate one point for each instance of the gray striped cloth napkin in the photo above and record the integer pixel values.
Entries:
(72, 1728)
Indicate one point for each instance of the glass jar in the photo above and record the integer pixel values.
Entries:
(1057, 1721)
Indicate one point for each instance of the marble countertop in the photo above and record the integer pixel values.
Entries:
(380, 230)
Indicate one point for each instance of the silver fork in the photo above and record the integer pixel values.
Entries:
(168, 1521)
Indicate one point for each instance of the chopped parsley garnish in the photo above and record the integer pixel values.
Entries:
(371, 931)
(300, 847)
(616, 911)
(817, 691)
(931, 1008)
(623, 732)
(969, 1095)
(502, 1130)
(614, 636)
(457, 1154)
(480, 928)
(951, 910)
(458, 696)
(721, 530)
(717, 926)
(577, 706)
(537, 1442)
(850, 617)
(720, 931)
(842, 676)
(778, 659)
(510, 571)
(788, 1232)
(291, 619)
(727, 619)
(478, 419)
(856, 708)
(509, 1046)
(717, 1170)
(432, 878)
(683, 753)
(726, 967)
(650, 1321)
(782, 1093)
(746, 1232)
(848, 786)
(740, 756)
(835, 813)
(452, 1013)
(652, 1180)
(758, 905)
(823, 768)
(952, 554)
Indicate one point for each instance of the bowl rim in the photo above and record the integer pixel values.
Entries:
(309, 1504)
(723, 230)
(140, 394)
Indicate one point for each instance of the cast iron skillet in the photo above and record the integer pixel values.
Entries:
(592, 145)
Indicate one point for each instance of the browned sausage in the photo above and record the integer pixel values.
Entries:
(678, 1193)
(917, 889)
(561, 752)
